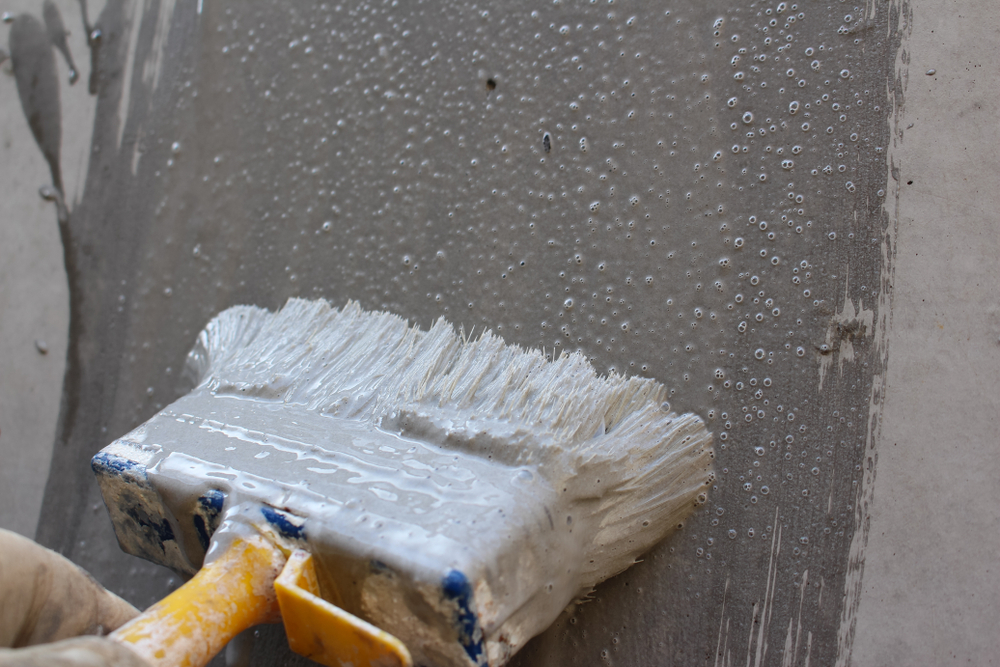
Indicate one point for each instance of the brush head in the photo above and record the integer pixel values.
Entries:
(459, 493)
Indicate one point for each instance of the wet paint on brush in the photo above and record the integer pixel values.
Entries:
(460, 493)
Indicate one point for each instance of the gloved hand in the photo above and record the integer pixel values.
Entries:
(46, 598)
(76, 652)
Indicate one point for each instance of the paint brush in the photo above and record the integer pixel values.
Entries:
(459, 493)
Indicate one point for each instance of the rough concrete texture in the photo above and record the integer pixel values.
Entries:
(324, 195)
(33, 294)
(33, 307)
(932, 578)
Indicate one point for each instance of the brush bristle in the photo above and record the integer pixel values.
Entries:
(603, 438)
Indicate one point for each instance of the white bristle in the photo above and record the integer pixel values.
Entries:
(479, 395)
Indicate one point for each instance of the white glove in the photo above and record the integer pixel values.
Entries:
(76, 652)
(46, 598)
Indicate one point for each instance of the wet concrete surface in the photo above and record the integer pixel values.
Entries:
(373, 160)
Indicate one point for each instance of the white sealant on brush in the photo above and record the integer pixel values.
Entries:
(458, 493)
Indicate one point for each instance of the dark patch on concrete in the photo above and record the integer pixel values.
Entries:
(38, 87)
(57, 35)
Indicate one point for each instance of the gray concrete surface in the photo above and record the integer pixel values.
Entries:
(930, 590)
(932, 574)
(591, 199)
(33, 293)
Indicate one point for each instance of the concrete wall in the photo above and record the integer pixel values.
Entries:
(33, 293)
(931, 586)
(219, 166)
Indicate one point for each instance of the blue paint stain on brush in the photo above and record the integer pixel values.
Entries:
(162, 529)
(105, 463)
(206, 515)
(132, 503)
(455, 586)
(137, 507)
(287, 524)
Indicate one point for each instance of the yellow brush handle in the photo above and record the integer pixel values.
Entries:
(325, 633)
(230, 594)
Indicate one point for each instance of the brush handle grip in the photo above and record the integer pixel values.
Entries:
(192, 624)
(325, 633)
